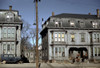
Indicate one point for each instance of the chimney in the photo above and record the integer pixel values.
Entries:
(10, 8)
(53, 14)
(98, 13)
(89, 13)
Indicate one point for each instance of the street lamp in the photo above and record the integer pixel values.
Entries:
(36, 1)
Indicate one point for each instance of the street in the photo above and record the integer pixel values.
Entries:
(51, 65)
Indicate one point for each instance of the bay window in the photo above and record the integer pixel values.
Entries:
(59, 37)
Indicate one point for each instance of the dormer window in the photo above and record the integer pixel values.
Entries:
(9, 17)
(81, 24)
(46, 23)
(72, 24)
(94, 25)
(58, 24)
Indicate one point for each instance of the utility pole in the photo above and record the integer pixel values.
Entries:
(37, 57)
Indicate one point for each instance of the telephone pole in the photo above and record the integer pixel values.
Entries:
(37, 57)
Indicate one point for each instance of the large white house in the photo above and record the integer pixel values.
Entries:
(10, 32)
(64, 34)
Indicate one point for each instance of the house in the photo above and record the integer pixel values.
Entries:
(30, 55)
(66, 34)
(10, 32)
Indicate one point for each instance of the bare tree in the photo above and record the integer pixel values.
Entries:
(28, 33)
(33, 35)
(25, 36)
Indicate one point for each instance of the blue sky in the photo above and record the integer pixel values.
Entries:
(26, 8)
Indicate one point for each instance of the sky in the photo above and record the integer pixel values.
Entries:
(26, 8)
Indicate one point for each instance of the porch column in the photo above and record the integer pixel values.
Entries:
(89, 52)
(67, 52)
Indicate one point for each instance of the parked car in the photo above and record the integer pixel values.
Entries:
(9, 58)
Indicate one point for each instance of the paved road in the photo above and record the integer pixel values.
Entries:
(50, 65)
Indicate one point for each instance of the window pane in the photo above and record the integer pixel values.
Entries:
(55, 39)
(59, 37)
(94, 36)
(82, 38)
(98, 51)
(62, 36)
(72, 38)
(56, 50)
(5, 32)
(95, 25)
(52, 35)
(9, 32)
(8, 47)
(63, 52)
(13, 32)
(72, 24)
(95, 51)
(59, 24)
(55, 35)
(4, 48)
(59, 51)
(97, 35)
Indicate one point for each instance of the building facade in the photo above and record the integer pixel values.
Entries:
(65, 34)
(10, 32)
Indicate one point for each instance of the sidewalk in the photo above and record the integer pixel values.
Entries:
(50, 65)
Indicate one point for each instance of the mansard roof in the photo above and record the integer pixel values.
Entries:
(81, 21)
(81, 16)
(3, 15)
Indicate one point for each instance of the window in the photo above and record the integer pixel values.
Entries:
(60, 51)
(63, 37)
(52, 36)
(97, 37)
(8, 47)
(98, 51)
(81, 24)
(8, 32)
(56, 51)
(4, 48)
(59, 37)
(82, 38)
(56, 24)
(94, 36)
(55, 36)
(9, 17)
(12, 48)
(63, 52)
(72, 38)
(4, 32)
(59, 24)
(94, 25)
(13, 33)
(72, 24)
